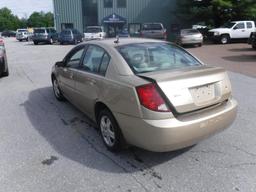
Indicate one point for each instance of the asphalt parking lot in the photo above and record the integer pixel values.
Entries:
(50, 146)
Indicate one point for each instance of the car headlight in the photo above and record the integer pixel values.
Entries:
(216, 33)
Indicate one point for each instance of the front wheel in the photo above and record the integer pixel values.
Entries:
(224, 39)
(35, 42)
(6, 73)
(254, 46)
(56, 90)
(110, 131)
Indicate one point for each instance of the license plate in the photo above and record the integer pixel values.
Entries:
(203, 94)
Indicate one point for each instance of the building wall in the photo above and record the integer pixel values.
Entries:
(68, 11)
(137, 11)
(141, 11)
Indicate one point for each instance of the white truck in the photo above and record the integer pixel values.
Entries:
(232, 30)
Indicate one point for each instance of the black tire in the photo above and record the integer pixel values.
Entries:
(254, 46)
(224, 39)
(113, 144)
(35, 43)
(6, 73)
(20, 40)
(56, 90)
(75, 41)
(200, 45)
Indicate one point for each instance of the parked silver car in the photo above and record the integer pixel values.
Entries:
(144, 92)
(153, 31)
(190, 37)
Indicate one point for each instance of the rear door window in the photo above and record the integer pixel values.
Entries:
(93, 58)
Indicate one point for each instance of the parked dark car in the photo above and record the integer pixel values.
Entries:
(3, 60)
(72, 36)
(253, 40)
(45, 35)
(8, 33)
(154, 31)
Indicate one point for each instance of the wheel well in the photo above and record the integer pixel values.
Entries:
(98, 107)
(225, 34)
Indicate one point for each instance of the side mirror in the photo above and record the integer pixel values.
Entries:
(235, 28)
(60, 64)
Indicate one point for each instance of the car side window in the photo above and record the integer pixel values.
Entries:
(74, 59)
(104, 64)
(240, 26)
(92, 59)
(249, 25)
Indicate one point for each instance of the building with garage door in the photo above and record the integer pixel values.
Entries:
(113, 14)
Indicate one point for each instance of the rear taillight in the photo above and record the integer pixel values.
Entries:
(151, 99)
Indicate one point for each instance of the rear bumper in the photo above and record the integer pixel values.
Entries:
(172, 134)
(191, 41)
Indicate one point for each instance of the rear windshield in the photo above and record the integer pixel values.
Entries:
(152, 26)
(93, 30)
(150, 57)
(39, 31)
(67, 32)
(22, 30)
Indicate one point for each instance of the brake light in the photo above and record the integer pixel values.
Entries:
(151, 99)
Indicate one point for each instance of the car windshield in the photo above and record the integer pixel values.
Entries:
(39, 31)
(93, 30)
(228, 25)
(189, 32)
(152, 26)
(151, 57)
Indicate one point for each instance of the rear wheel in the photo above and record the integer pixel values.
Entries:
(6, 73)
(56, 90)
(35, 42)
(110, 131)
(254, 46)
(224, 39)
(75, 41)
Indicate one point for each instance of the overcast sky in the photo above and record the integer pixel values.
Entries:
(23, 8)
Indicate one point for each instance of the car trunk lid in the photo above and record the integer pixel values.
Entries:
(192, 88)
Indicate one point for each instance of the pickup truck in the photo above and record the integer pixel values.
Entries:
(232, 30)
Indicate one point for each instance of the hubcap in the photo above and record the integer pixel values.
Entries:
(56, 88)
(107, 131)
(224, 40)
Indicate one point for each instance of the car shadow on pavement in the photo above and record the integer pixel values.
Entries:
(72, 135)
(241, 58)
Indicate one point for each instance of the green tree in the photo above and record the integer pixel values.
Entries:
(215, 12)
(8, 21)
(40, 19)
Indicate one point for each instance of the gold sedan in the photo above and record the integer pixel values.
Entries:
(147, 93)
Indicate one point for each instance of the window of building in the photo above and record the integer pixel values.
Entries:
(108, 3)
(121, 3)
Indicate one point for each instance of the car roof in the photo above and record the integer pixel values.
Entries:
(123, 41)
